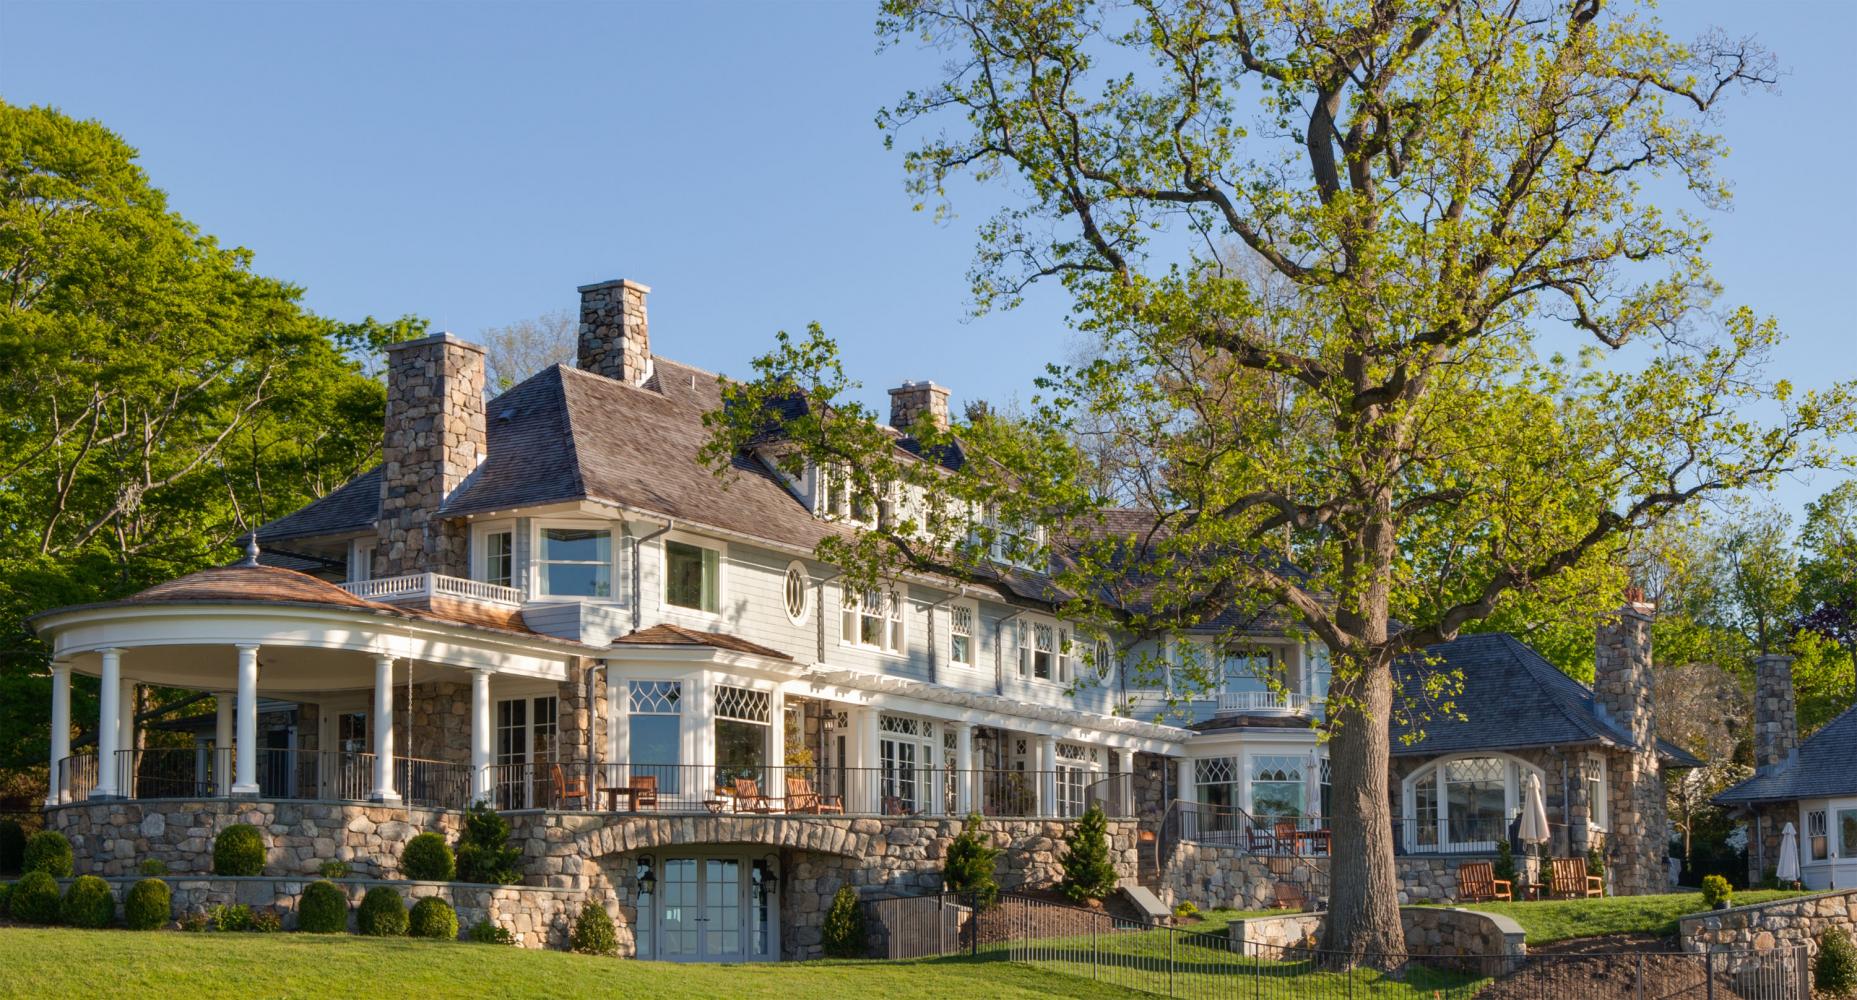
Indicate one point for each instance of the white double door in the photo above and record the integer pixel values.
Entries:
(715, 908)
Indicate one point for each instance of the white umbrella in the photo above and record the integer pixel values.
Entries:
(1789, 855)
(1312, 787)
(1534, 811)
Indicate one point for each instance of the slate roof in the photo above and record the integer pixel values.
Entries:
(1512, 698)
(677, 635)
(354, 506)
(1824, 766)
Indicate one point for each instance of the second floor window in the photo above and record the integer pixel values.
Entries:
(873, 619)
(692, 575)
(961, 634)
(577, 562)
(499, 558)
(1044, 651)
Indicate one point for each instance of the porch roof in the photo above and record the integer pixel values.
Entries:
(1819, 769)
(677, 635)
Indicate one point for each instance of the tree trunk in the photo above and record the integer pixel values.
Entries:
(1363, 908)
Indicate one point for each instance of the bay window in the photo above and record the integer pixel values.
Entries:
(1463, 803)
(1817, 835)
(655, 731)
(1278, 784)
(576, 562)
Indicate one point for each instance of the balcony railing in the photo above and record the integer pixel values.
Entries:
(1229, 826)
(203, 772)
(1262, 702)
(1455, 835)
(430, 585)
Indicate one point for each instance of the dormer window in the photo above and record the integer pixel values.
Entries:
(1013, 541)
(839, 499)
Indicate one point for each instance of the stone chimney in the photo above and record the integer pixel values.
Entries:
(1622, 683)
(614, 338)
(1776, 721)
(912, 399)
(434, 439)
(1637, 839)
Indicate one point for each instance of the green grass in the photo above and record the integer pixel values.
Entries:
(1560, 919)
(52, 963)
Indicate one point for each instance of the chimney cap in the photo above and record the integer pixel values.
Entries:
(441, 337)
(918, 385)
(637, 286)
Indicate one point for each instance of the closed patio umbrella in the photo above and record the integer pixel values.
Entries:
(1533, 828)
(1788, 870)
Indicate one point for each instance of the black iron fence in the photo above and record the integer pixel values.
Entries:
(205, 772)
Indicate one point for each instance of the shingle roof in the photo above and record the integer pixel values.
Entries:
(354, 506)
(677, 635)
(1824, 766)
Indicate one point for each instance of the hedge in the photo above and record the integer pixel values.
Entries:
(35, 899)
(427, 858)
(88, 903)
(48, 852)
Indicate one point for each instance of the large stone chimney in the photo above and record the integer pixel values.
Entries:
(1637, 840)
(1776, 720)
(615, 340)
(912, 399)
(434, 439)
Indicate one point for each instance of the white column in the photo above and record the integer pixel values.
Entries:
(867, 781)
(383, 731)
(618, 730)
(245, 770)
(1047, 776)
(125, 739)
(776, 781)
(222, 742)
(56, 791)
(964, 765)
(480, 735)
(1184, 782)
(109, 729)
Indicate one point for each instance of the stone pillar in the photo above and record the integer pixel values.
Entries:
(222, 742)
(1047, 775)
(914, 398)
(109, 731)
(964, 766)
(245, 771)
(1638, 839)
(481, 733)
(1776, 720)
(434, 438)
(615, 339)
(57, 789)
(383, 731)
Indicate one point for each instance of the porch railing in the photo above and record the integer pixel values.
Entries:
(1274, 702)
(205, 772)
(429, 585)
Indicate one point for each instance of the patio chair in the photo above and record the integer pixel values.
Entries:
(801, 798)
(1567, 879)
(750, 798)
(894, 806)
(644, 791)
(1284, 833)
(1289, 897)
(564, 789)
(1477, 883)
(1259, 840)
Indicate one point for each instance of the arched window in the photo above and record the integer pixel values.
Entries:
(1463, 803)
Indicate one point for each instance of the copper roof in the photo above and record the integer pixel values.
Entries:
(677, 635)
(258, 584)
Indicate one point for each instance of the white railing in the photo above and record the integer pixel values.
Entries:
(1286, 703)
(429, 585)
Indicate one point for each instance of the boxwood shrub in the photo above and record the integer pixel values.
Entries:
(427, 858)
(382, 914)
(12, 847)
(50, 853)
(35, 899)
(323, 909)
(238, 850)
(88, 903)
(485, 932)
(432, 917)
(593, 931)
(148, 905)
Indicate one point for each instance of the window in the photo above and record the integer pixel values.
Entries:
(1216, 779)
(1011, 541)
(838, 498)
(1044, 651)
(655, 731)
(795, 591)
(1102, 658)
(499, 559)
(961, 634)
(1817, 835)
(742, 716)
(360, 559)
(1321, 672)
(576, 562)
(905, 753)
(1075, 766)
(1278, 783)
(1847, 833)
(1463, 803)
(873, 620)
(692, 576)
(525, 745)
(1598, 810)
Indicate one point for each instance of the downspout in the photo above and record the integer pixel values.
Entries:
(935, 650)
(638, 573)
(593, 715)
(999, 661)
(819, 654)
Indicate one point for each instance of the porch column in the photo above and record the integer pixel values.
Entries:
(125, 739)
(480, 735)
(1047, 776)
(222, 742)
(383, 730)
(775, 783)
(1183, 784)
(964, 768)
(109, 729)
(245, 770)
(56, 790)
(868, 782)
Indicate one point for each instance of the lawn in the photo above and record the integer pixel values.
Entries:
(1560, 919)
(53, 963)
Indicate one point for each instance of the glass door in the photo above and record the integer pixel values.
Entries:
(722, 909)
(715, 909)
(680, 911)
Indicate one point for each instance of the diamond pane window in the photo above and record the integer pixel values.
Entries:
(961, 635)
(742, 704)
(655, 697)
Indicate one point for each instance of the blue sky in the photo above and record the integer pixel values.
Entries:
(474, 162)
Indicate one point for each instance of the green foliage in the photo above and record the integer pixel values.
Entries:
(843, 933)
(1834, 971)
(485, 932)
(12, 847)
(382, 913)
(334, 869)
(6, 897)
(1505, 860)
(1595, 861)
(153, 867)
(323, 909)
(968, 867)
(35, 899)
(1715, 889)
(266, 921)
(432, 917)
(194, 922)
(233, 917)
(1185, 910)
(484, 852)
(48, 851)
(593, 931)
(239, 850)
(148, 906)
(1088, 872)
(88, 903)
(428, 858)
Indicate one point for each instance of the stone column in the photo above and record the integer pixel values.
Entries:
(964, 766)
(481, 733)
(1047, 775)
(383, 731)
(222, 742)
(245, 771)
(56, 788)
(109, 727)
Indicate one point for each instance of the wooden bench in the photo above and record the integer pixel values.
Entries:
(1477, 883)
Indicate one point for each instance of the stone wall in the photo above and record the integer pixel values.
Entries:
(1747, 931)
(1482, 943)
(434, 438)
(438, 722)
(1216, 875)
(579, 712)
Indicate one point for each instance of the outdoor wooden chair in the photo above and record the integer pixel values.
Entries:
(894, 806)
(1477, 883)
(801, 798)
(565, 789)
(750, 798)
(1284, 833)
(1259, 840)
(1567, 879)
(644, 791)
(1290, 897)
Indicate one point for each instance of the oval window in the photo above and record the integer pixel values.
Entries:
(796, 593)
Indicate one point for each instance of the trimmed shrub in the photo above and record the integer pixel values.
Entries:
(1595, 862)
(593, 931)
(427, 858)
(484, 851)
(432, 917)
(266, 921)
(1088, 872)
(35, 899)
(47, 851)
(88, 903)
(1186, 910)
(335, 869)
(1715, 889)
(238, 850)
(969, 865)
(323, 909)
(485, 932)
(232, 918)
(1834, 971)
(153, 867)
(1504, 868)
(148, 905)
(843, 932)
(12, 847)
(382, 914)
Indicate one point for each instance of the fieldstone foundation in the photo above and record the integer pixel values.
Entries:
(1747, 931)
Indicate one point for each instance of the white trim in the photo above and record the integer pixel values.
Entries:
(805, 593)
(895, 617)
(481, 530)
(972, 607)
(716, 545)
(534, 568)
(1511, 797)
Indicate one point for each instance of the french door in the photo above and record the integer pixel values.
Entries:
(715, 909)
(525, 751)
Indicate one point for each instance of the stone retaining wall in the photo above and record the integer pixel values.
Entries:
(1485, 944)
(1761, 927)
(1219, 875)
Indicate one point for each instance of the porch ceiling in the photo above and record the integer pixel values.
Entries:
(282, 670)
